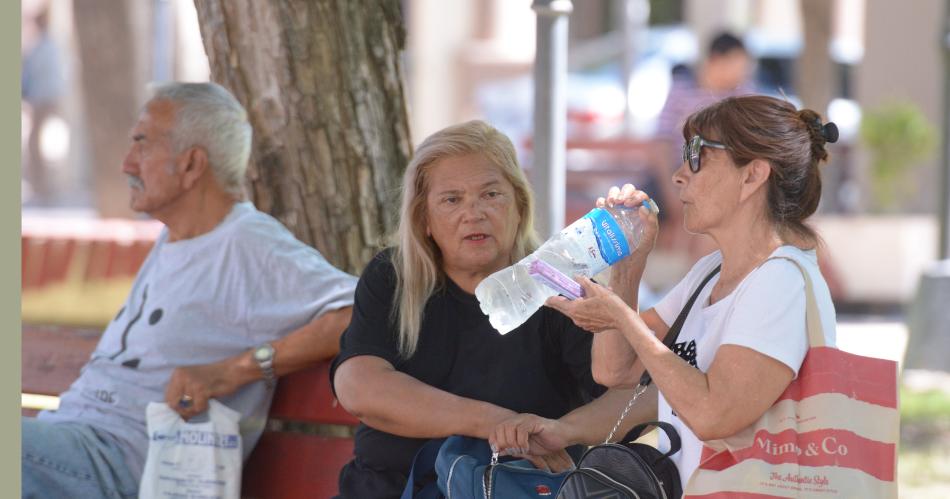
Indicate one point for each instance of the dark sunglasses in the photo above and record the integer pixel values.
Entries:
(693, 148)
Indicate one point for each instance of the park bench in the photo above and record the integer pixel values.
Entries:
(308, 437)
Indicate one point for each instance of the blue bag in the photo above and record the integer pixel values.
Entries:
(465, 471)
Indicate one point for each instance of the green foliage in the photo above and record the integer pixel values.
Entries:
(929, 406)
(924, 452)
(899, 137)
(665, 12)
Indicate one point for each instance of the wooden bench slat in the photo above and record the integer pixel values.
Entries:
(52, 357)
(292, 466)
(306, 396)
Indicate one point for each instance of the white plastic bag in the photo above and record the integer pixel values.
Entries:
(192, 459)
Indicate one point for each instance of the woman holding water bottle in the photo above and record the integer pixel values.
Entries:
(749, 179)
(420, 360)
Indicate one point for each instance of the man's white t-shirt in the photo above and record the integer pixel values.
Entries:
(766, 312)
(196, 301)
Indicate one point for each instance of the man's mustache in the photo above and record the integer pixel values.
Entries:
(135, 182)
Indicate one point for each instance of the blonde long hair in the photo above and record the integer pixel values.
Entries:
(416, 257)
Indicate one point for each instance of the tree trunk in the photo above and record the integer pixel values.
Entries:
(322, 83)
(817, 83)
(816, 80)
(114, 72)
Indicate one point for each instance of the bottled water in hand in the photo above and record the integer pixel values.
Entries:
(599, 239)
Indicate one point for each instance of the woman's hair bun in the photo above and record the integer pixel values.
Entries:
(830, 132)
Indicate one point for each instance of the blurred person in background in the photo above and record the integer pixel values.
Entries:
(725, 73)
(42, 84)
(227, 301)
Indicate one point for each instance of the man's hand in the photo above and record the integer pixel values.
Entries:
(190, 387)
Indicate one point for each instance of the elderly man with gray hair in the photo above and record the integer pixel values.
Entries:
(226, 301)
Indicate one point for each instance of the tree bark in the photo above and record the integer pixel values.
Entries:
(322, 83)
(114, 71)
(817, 84)
(816, 80)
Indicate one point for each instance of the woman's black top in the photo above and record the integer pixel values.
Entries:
(542, 367)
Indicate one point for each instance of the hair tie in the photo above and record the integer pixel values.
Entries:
(829, 131)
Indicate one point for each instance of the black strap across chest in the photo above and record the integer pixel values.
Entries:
(674, 330)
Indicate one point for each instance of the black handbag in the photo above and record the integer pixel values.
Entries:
(628, 470)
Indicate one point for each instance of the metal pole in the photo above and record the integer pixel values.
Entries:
(163, 41)
(944, 200)
(550, 113)
(636, 18)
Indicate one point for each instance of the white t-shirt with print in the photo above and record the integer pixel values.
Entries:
(766, 312)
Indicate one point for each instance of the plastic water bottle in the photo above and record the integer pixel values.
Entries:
(596, 241)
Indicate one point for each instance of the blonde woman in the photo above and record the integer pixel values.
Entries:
(419, 359)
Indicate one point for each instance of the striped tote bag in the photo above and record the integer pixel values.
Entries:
(832, 433)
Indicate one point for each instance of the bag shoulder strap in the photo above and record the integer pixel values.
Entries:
(674, 330)
(423, 467)
(671, 434)
(671, 335)
(816, 331)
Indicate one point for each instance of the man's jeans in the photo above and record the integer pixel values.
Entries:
(72, 460)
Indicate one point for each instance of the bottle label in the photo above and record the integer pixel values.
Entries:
(588, 258)
(611, 240)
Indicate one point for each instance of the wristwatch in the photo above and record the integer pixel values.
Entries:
(264, 356)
